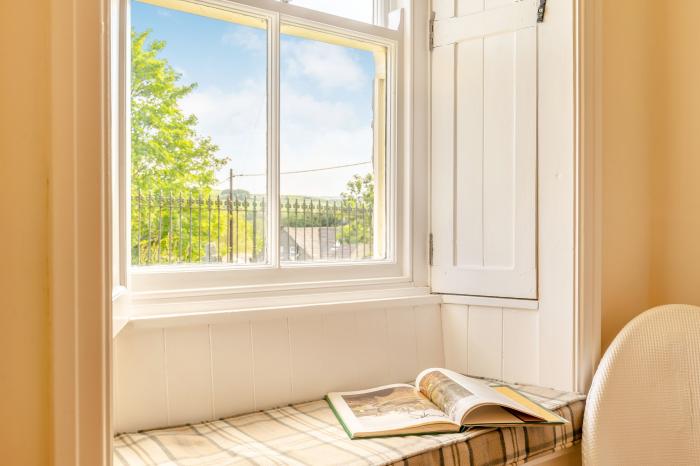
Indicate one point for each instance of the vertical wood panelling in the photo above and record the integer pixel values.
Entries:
(499, 131)
(189, 376)
(271, 359)
(372, 348)
(442, 143)
(525, 153)
(483, 160)
(186, 374)
(403, 347)
(485, 341)
(232, 368)
(520, 346)
(492, 342)
(429, 337)
(308, 347)
(455, 328)
(469, 164)
(243, 366)
(139, 380)
(341, 364)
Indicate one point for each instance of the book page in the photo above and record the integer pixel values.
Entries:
(445, 392)
(387, 408)
(457, 394)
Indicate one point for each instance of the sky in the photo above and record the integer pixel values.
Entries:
(325, 97)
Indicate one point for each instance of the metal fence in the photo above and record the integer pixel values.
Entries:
(192, 229)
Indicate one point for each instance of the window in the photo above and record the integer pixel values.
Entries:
(261, 141)
(198, 125)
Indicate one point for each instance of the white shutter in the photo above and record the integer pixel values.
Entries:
(484, 148)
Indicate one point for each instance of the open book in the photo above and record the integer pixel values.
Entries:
(441, 401)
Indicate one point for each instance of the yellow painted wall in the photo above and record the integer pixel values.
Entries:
(629, 103)
(677, 161)
(651, 158)
(24, 309)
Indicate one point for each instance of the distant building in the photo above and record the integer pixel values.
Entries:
(319, 244)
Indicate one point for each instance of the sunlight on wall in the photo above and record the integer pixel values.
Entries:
(651, 198)
(677, 162)
(24, 314)
(628, 139)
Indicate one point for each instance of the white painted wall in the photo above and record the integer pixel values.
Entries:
(168, 375)
(501, 343)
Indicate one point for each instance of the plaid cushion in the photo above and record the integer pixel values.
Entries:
(309, 434)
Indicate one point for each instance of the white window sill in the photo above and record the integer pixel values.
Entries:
(189, 312)
(488, 301)
(159, 312)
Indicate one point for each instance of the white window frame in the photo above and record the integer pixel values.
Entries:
(168, 281)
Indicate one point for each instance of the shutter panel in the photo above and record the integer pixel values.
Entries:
(484, 148)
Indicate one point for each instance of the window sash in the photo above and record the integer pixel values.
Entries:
(276, 16)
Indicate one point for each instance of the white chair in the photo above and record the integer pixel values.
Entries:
(644, 404)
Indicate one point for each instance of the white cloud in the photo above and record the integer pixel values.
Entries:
(236, 122)
(245, 38)
(331, 66)
(321, 133)
(315, 133)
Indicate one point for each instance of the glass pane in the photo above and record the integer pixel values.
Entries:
(332, 148)
(198, 136)
(360, 10)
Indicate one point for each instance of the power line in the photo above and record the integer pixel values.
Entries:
(294, 172)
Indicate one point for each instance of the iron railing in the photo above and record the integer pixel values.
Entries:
(192, 229)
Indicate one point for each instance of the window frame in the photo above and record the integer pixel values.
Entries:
(196, 279)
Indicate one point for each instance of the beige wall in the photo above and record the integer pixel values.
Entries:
(24, 314)
(628, 135)
(651, 153)
(677, 161)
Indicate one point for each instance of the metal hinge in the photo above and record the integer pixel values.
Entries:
(430, 249)
(431, 29)
(540, 11)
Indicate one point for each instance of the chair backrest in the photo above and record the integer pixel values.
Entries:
(644, 404)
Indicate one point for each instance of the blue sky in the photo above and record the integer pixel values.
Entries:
(326, 96)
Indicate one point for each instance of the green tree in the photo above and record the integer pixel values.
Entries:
(167, 153)
(175, 213)
(360, 191)
(359, 197)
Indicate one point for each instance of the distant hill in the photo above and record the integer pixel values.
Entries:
(242, 193)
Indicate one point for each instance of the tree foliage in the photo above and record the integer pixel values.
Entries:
(167, 153)
(360, 191)
(359, 196)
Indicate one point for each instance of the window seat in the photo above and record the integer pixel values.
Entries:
(309, 434)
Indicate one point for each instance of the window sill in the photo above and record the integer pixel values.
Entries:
(150, 312)
(183, 282)
(159, 315)
(489, 301)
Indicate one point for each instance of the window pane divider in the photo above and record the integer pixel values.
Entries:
(273, 137)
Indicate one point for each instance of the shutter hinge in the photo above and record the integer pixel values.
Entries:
(431, 29)
(540, 11)
(430, 249)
